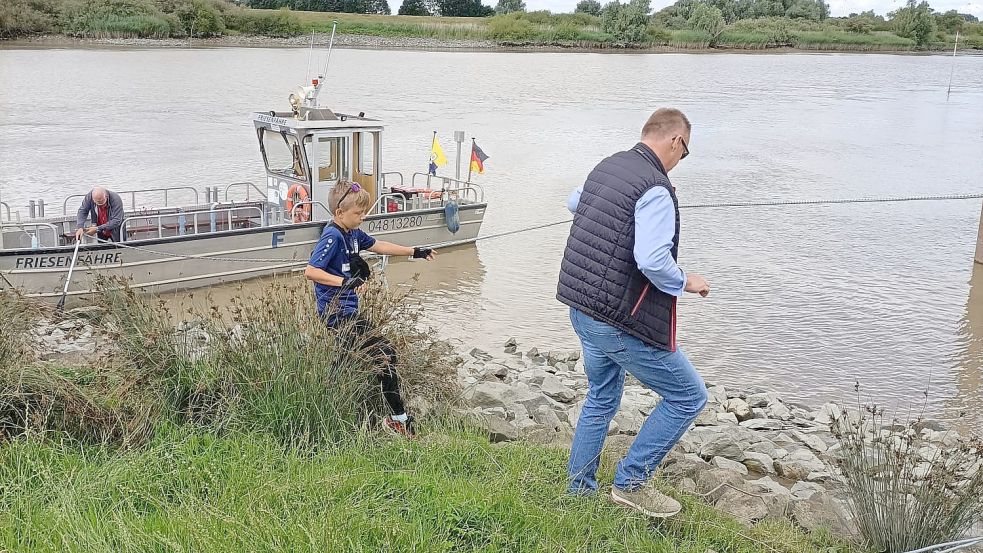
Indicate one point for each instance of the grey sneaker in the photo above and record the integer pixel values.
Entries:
(647, 500)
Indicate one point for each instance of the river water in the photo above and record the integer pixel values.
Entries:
(806, 300)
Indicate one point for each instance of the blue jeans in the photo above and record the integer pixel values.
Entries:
(608, 354)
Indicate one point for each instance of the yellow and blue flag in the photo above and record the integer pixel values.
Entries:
(437, 158)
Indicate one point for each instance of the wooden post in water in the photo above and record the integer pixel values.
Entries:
(979, 240)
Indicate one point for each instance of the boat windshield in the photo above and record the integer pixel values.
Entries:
(281, 153)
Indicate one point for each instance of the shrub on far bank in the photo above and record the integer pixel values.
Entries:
(281, 23)
(511, 28)
(114, 19)
(25, 17)
(140, 19)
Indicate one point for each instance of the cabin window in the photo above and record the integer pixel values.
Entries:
(281, 153)
(366, 152)
(330, 157)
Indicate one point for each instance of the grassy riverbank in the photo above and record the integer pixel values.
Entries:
(219, 23)
(582, 31)
(249, 430)
(190, 490)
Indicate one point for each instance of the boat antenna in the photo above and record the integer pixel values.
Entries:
(953, 69)
(320, 78)
(307, 76)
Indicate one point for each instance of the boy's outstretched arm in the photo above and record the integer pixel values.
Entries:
(322, 277)
(388, 248)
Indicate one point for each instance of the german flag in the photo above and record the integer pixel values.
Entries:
(478, 158)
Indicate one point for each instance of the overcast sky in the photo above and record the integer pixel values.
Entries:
(837, 7)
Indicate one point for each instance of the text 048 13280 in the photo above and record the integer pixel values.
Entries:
(397, 223)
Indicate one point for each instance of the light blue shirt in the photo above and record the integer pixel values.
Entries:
(655, 227)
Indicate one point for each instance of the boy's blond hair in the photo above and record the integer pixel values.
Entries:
(354, 199)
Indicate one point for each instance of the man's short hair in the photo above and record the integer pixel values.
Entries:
(100, 192)
(665, 122)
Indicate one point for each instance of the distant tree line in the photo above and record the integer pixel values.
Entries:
(446, 8)
(630, 21)
(690, 23)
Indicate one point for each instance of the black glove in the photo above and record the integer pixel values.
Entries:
(359, 268)
(352, 283)
(422, 253)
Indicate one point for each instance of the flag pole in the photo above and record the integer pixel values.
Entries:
(470, 166)
(459, 138)
(431, 165)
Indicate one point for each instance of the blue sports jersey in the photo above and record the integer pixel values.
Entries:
(332, 254)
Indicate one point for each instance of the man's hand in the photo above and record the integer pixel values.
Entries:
(696, 284)
(424, 253)
(91, 231)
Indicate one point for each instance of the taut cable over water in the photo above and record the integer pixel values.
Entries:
(769, 203)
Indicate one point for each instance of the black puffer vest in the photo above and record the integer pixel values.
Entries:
(599, 275)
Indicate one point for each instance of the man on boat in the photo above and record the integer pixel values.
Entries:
(620, 278)
(104, 210)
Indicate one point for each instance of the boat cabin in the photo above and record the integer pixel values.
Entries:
(307, 153)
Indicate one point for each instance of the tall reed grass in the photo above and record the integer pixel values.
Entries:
(906, 491)
(265, 363)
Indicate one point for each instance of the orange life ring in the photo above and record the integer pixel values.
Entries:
(302, 215)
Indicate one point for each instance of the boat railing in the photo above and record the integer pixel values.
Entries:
(424, 200)
(178, 221)
(447, 183)
(133, 195)
(312, 203)
(247, 186)
(383, 177)
(381, 205)
(7, 209)
(34, 231)
(467, 194)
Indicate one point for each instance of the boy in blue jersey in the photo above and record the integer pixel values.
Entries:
(337, 270)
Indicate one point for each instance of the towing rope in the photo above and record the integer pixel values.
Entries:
(712, 205)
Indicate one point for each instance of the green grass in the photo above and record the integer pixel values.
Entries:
(131, 26)
(843, 38)
(685, 38)
(809, 39)
(450, 491)
(744, 39)
(393, 25)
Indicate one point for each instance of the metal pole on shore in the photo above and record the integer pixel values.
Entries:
(979, 239)
(952, 70)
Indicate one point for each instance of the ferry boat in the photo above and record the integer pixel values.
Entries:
(172, 239)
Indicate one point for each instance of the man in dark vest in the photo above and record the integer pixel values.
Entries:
(103, 210)
(620, 278)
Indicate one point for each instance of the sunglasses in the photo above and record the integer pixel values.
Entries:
(685, 148)
(355, 188)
